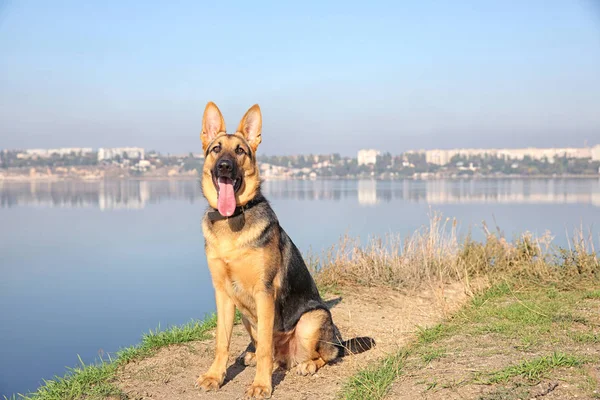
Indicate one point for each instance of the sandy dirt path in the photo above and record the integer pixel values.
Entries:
(388, 316)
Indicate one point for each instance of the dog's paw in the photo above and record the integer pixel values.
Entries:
(208, 382)
(309, 367)
(249, 359)
(258, 391)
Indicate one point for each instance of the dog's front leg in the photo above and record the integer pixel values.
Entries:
(265, 310)
(215, 376)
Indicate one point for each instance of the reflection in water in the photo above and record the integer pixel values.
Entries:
(516, 192)
(137, 194)
(506, 191)
(104, 194)
(367, 192)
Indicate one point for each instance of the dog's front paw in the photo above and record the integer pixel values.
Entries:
(208, 382)
(258, 391)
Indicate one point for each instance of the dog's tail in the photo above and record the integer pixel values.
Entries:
(355, 345)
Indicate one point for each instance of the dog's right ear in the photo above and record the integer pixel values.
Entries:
(212, 124)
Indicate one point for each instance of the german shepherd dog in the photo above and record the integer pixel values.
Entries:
(256, 267)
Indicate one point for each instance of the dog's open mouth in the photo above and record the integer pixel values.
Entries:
(226, 190)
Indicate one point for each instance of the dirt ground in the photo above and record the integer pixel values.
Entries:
(388, 316)
(467, 355)
(450, 378)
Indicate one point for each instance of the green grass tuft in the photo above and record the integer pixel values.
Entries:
(374, 382)
(429, 355)
(429, 335)
(94, 381)
(587, 337)
(534, 369)
(153, 340)
(494, 292)
(431, 385)
(522, 315)
(85, 381)
(592, 294)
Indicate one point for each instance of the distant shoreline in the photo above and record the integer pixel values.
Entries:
(53, 179)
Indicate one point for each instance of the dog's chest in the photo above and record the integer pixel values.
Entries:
(241, 284)
(243, 299)
(241, 274)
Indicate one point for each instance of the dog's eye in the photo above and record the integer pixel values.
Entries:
(216, 149)
(239, 151)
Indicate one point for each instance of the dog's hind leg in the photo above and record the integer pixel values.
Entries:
(316, 342)
(248, 358)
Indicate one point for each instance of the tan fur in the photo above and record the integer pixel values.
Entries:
(239, 270)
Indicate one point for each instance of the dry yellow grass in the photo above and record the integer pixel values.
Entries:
(428, 254)
(435, 254)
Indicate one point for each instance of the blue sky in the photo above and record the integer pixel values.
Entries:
(331, 76)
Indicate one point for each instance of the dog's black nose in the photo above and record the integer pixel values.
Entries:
(225, 166)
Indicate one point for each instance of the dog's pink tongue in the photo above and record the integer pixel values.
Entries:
(226, 200)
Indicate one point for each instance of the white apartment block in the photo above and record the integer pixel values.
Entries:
(443, 157)
(596, 153)
(367, 157)
(105, 153)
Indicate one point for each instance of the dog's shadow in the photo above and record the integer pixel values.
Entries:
(238, 366)
(233, 370)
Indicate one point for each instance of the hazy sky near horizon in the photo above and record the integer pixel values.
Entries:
(331, 76)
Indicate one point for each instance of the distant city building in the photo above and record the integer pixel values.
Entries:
(367, 157)
(596, 153)
(443, 157)
(105, 153)
(61, 152)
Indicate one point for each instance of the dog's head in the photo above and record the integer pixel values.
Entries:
(230, 174)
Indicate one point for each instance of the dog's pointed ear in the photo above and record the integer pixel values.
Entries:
(212, 124)
(251, 126)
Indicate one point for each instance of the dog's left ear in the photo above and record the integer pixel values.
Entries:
(251, 126)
